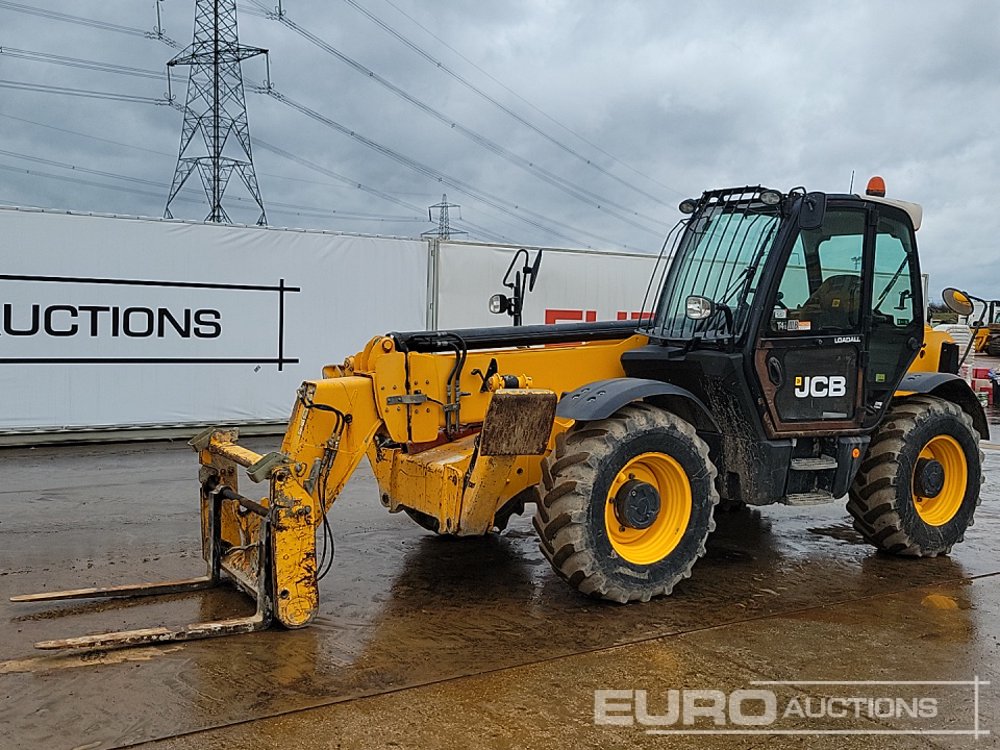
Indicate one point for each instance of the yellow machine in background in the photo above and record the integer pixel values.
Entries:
(982, 316)
(624, 439)
(987, 327)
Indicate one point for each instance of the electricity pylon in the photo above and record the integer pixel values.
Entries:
(215, 110)
(444, 230)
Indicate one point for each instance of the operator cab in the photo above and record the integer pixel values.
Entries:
(795, 315)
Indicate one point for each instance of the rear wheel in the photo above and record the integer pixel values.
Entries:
(993, 347)
(918, 487)
(627, 504)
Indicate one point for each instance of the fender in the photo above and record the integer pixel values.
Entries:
(602, 398)
(951, 388)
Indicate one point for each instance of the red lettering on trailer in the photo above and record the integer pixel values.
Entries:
(558, 315)
(572, 315)
(625, 315)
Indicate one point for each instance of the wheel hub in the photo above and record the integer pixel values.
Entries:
(637, 504)
(940, 480)
(928, 478)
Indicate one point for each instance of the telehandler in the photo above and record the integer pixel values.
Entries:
(784, 359)
(987, 327)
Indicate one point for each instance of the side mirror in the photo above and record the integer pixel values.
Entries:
(812, 210)
(499, 304)
(532, 271)
(699, 308)
(956, 301)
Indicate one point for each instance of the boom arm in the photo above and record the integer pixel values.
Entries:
(449, 435)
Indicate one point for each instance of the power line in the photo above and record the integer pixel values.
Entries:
(85, 135)
(437, 63)
(257, 144)
(80, 63)
(66, 91)
(335, 175)
(249, 9)
(285, 154)
(53, 15)
(519, 212)
(81, 181)
(84, 170)
(497, 203)
(511, 224)
(294, 208)
(187, 196)
(485, 233)
(560, 183)
(412, 164)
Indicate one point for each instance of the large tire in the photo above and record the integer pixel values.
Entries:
(993, 346)
(576, 519)
(885, 499)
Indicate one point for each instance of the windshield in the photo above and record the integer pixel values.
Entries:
(720, 256)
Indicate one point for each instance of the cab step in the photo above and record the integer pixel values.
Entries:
(821, 463)
(818, 497)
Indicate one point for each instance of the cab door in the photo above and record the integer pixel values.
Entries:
(811, 353)
(896, 312)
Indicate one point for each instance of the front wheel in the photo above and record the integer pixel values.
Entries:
(627, 504)
(918, 487)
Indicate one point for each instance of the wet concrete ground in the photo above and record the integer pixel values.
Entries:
(428, 642)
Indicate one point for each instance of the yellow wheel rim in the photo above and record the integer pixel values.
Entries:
(650, 545)
(940, 509)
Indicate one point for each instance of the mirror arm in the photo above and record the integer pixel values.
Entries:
(968, 347)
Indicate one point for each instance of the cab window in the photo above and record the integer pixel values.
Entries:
(893, 287)
(897, 310)
(821, 288)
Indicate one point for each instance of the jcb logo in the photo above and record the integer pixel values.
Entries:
(820, 386)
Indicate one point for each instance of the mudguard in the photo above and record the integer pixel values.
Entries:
(951, 388)
(602, 398)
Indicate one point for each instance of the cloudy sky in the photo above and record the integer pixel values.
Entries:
(630, 106)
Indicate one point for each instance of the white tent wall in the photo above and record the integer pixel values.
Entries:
(102, 355)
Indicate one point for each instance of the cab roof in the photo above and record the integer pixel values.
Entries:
(914, 210)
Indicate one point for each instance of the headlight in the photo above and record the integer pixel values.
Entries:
(770, 197)
(688, 206)
(699, 308)
(499, 303)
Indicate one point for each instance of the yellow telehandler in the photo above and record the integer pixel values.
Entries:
(986, 329)
(784, 358)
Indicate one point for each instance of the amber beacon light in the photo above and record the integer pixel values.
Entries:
(876, 187)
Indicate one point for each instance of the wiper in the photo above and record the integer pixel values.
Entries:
(742, 281)
(888, 287)
(733, 286)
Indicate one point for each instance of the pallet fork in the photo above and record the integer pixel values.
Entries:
(249, 566)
